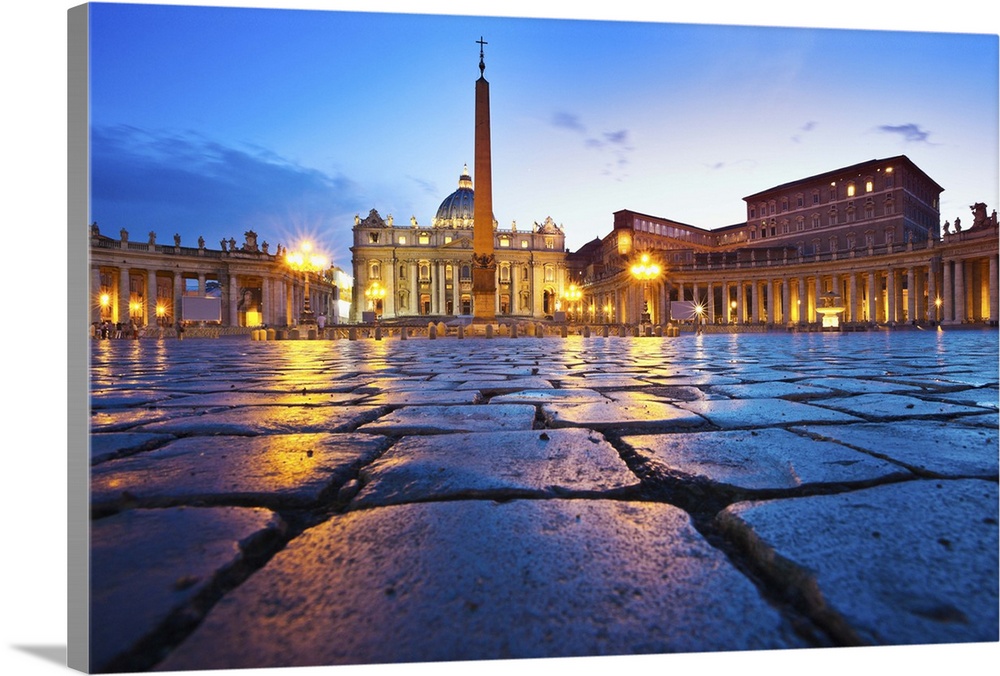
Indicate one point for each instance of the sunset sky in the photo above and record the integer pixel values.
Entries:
(209, 121)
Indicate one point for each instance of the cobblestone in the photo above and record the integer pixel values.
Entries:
(283, 503)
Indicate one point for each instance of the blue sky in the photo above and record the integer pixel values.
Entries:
(208, 121)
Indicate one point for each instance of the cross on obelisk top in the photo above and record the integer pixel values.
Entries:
(482, 64)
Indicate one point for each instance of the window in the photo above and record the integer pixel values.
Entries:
(449, 273)
(869, 210)
(549, 243)
(425, 272)
(800, 224)
(466, 273)
(550, 273)
(524, 244)
(402, 272)
(869, 185)
(833, 216)
(815, 196)
(375, 271)
(447, 239)
(424, 238)
(833, 191)
(373, 238)
(784, 204)
(401, 239)
(505, 242)
(850, 190)
(753, 212)
(504, 273)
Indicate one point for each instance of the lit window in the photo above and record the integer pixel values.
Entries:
(869, 185)
(447, 239)
(424, 238)
(505, 241)
(402, 239)
(850, 190)
(549, 244)
(524, 244)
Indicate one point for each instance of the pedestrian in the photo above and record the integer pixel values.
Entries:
(321, 321)
(118, 330)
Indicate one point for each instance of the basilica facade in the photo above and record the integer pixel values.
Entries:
(413, 271)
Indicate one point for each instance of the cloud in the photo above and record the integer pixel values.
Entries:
(185, 183)
(806, 128)
(565, 120)
(613, 142)
(910, 132)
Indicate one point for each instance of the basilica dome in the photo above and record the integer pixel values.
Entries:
(457, 209)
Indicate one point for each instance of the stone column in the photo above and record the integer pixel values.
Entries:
(960, 310)
(852, 295)
(890, 296)
(947, 300)
(741, 303)
(932, 292)
(786, 301)
(233, 304)
(872, 297)
(803, 301)
(290, 303)
(95, 294)
(178, 293)
(755, 301)
(711, 303)
(911, 295)
(150, 297)
(124, 294)
(993, 290)
(818, 300)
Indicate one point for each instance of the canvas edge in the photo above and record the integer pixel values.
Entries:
(78, 308)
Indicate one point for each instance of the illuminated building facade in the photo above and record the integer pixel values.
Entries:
(414, 271)
(866, 236)
(157, 286)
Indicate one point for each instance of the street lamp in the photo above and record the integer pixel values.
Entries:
(645, 270)
(307, 262)
(573, 295)
(937, 307)
(375, 293)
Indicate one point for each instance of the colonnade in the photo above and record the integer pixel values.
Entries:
(957, 287)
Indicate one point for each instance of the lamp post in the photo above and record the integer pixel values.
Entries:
(937, 309)
(306, 262)
(573, 295)
(374, 294)
(644, 270)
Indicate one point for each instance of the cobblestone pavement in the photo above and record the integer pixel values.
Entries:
(334, 502)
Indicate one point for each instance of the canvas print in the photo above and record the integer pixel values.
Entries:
(426, 338)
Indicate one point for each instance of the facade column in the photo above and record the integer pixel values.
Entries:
(711, 303)
(911, 295)
(786, 301)
(265, 299)
(150, 297)
(960, 310)
(234, 294)
(178, 293)
(932, 292)
(289, 303)
(817, 301)
(803, 302)
(993, 290)
(890, 296)
(741, 303)
(852, 297)
(755, 301)
(947, 302)
(124, 295)
(95, 294)
(872, 297)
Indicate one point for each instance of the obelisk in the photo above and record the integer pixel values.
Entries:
(484, 266)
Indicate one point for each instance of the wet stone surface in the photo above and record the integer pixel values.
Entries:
(345, 502)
